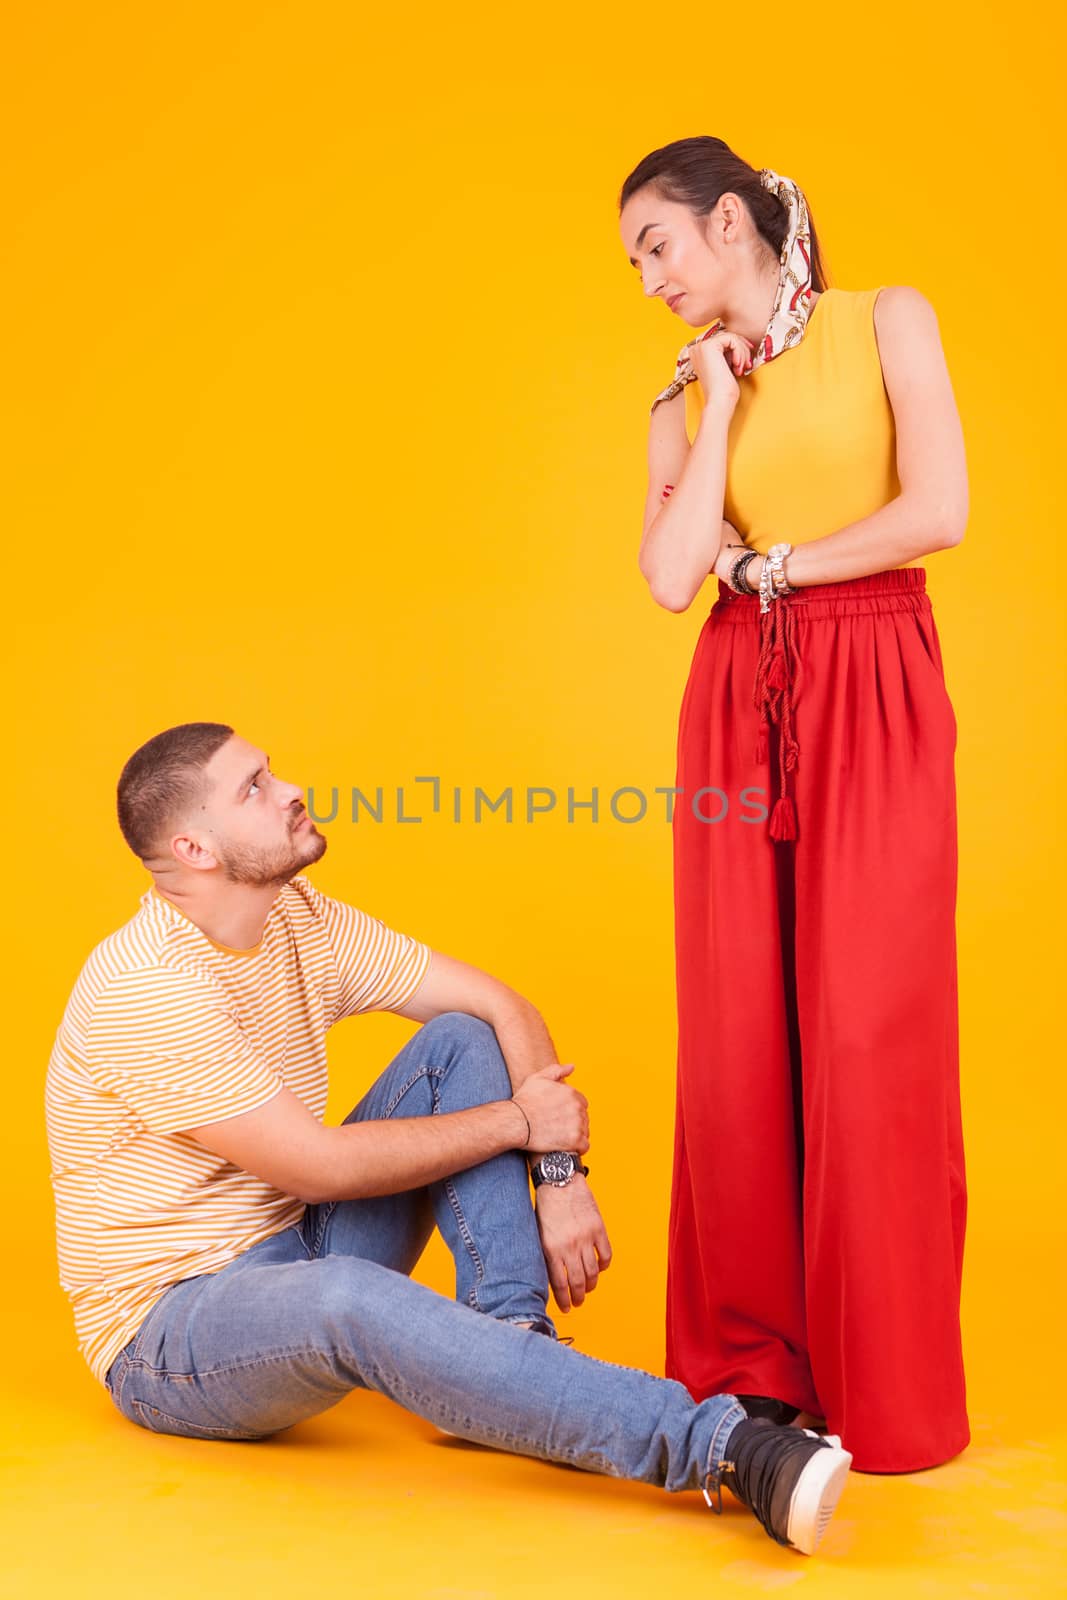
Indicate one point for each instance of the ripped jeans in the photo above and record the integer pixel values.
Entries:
(297, 1321)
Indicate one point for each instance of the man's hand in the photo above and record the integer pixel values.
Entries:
(558, 1114)
(573, 1238)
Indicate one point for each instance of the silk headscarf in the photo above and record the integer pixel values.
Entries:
(792, 302)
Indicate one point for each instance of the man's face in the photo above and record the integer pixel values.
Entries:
(254, 825)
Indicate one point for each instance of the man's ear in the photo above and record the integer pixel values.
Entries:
(190, 851)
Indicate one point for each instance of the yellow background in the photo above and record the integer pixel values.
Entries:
(327, 383)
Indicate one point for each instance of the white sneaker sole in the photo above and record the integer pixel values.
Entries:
(817, 1492)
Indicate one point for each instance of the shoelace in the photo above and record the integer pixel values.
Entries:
(758, 1449)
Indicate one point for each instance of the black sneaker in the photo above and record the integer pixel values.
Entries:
(761, 1405)
(788, 1478)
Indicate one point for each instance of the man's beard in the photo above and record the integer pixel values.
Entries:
(270, 869)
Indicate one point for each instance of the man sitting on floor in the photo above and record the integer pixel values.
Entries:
(236, 1266)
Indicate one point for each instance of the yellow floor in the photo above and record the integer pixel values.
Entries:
(366, 1500)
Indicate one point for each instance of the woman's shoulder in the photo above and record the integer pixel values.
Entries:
(893, 291)
(897, 311)
(894, 299)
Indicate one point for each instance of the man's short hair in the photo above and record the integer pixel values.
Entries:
(162, 779)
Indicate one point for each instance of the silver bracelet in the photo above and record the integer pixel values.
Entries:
(772, 580)
(766, 591)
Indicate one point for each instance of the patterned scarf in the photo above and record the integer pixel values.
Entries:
(792, 302)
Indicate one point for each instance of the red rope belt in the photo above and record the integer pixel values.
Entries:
(774, 699)
(774, 702)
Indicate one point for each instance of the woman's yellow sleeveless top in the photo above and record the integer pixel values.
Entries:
(812, 442)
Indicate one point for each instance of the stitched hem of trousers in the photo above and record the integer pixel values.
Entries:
(720, 1439)
(536, 1324)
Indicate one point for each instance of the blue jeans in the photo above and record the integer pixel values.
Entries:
(326, 1306)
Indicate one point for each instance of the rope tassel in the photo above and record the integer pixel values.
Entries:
(783, 819)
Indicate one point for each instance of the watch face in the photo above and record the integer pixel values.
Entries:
(558, 1166)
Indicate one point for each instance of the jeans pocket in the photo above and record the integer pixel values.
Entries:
(157, 1421)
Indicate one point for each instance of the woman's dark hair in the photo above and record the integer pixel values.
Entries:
(696, 172)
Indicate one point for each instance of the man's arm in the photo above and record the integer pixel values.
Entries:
(453, 985)
(283, 1143)
(573, 1236)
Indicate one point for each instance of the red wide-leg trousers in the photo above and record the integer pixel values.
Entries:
(819, 1198)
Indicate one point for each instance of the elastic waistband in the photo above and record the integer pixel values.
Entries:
(899, 589)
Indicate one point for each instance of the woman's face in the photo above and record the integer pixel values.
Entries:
(679, 254)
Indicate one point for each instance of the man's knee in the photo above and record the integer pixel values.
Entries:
(475, 1050)
(460, 1028)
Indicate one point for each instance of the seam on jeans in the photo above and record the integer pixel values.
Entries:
(461, 1223)
(114, 1388)
(275, 1356)
(320, 1232)
(618, 1366)
(135, 1344)
(473, 1299)
(328, 1208)
(432, 1072)
(203, 1430)
(435, 1075)
(301, 1235)
(430, 1406)
(409, 1084)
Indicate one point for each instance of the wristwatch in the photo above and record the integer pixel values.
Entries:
(557, 1168)
(775, 557)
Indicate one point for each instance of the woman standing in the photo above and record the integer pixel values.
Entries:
(808, 452)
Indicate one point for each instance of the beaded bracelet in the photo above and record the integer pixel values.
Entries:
(739, 562)
(738, 574)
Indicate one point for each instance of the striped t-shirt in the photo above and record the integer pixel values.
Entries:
(166, 1029)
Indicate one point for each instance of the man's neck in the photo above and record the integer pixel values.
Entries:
(232, 915)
